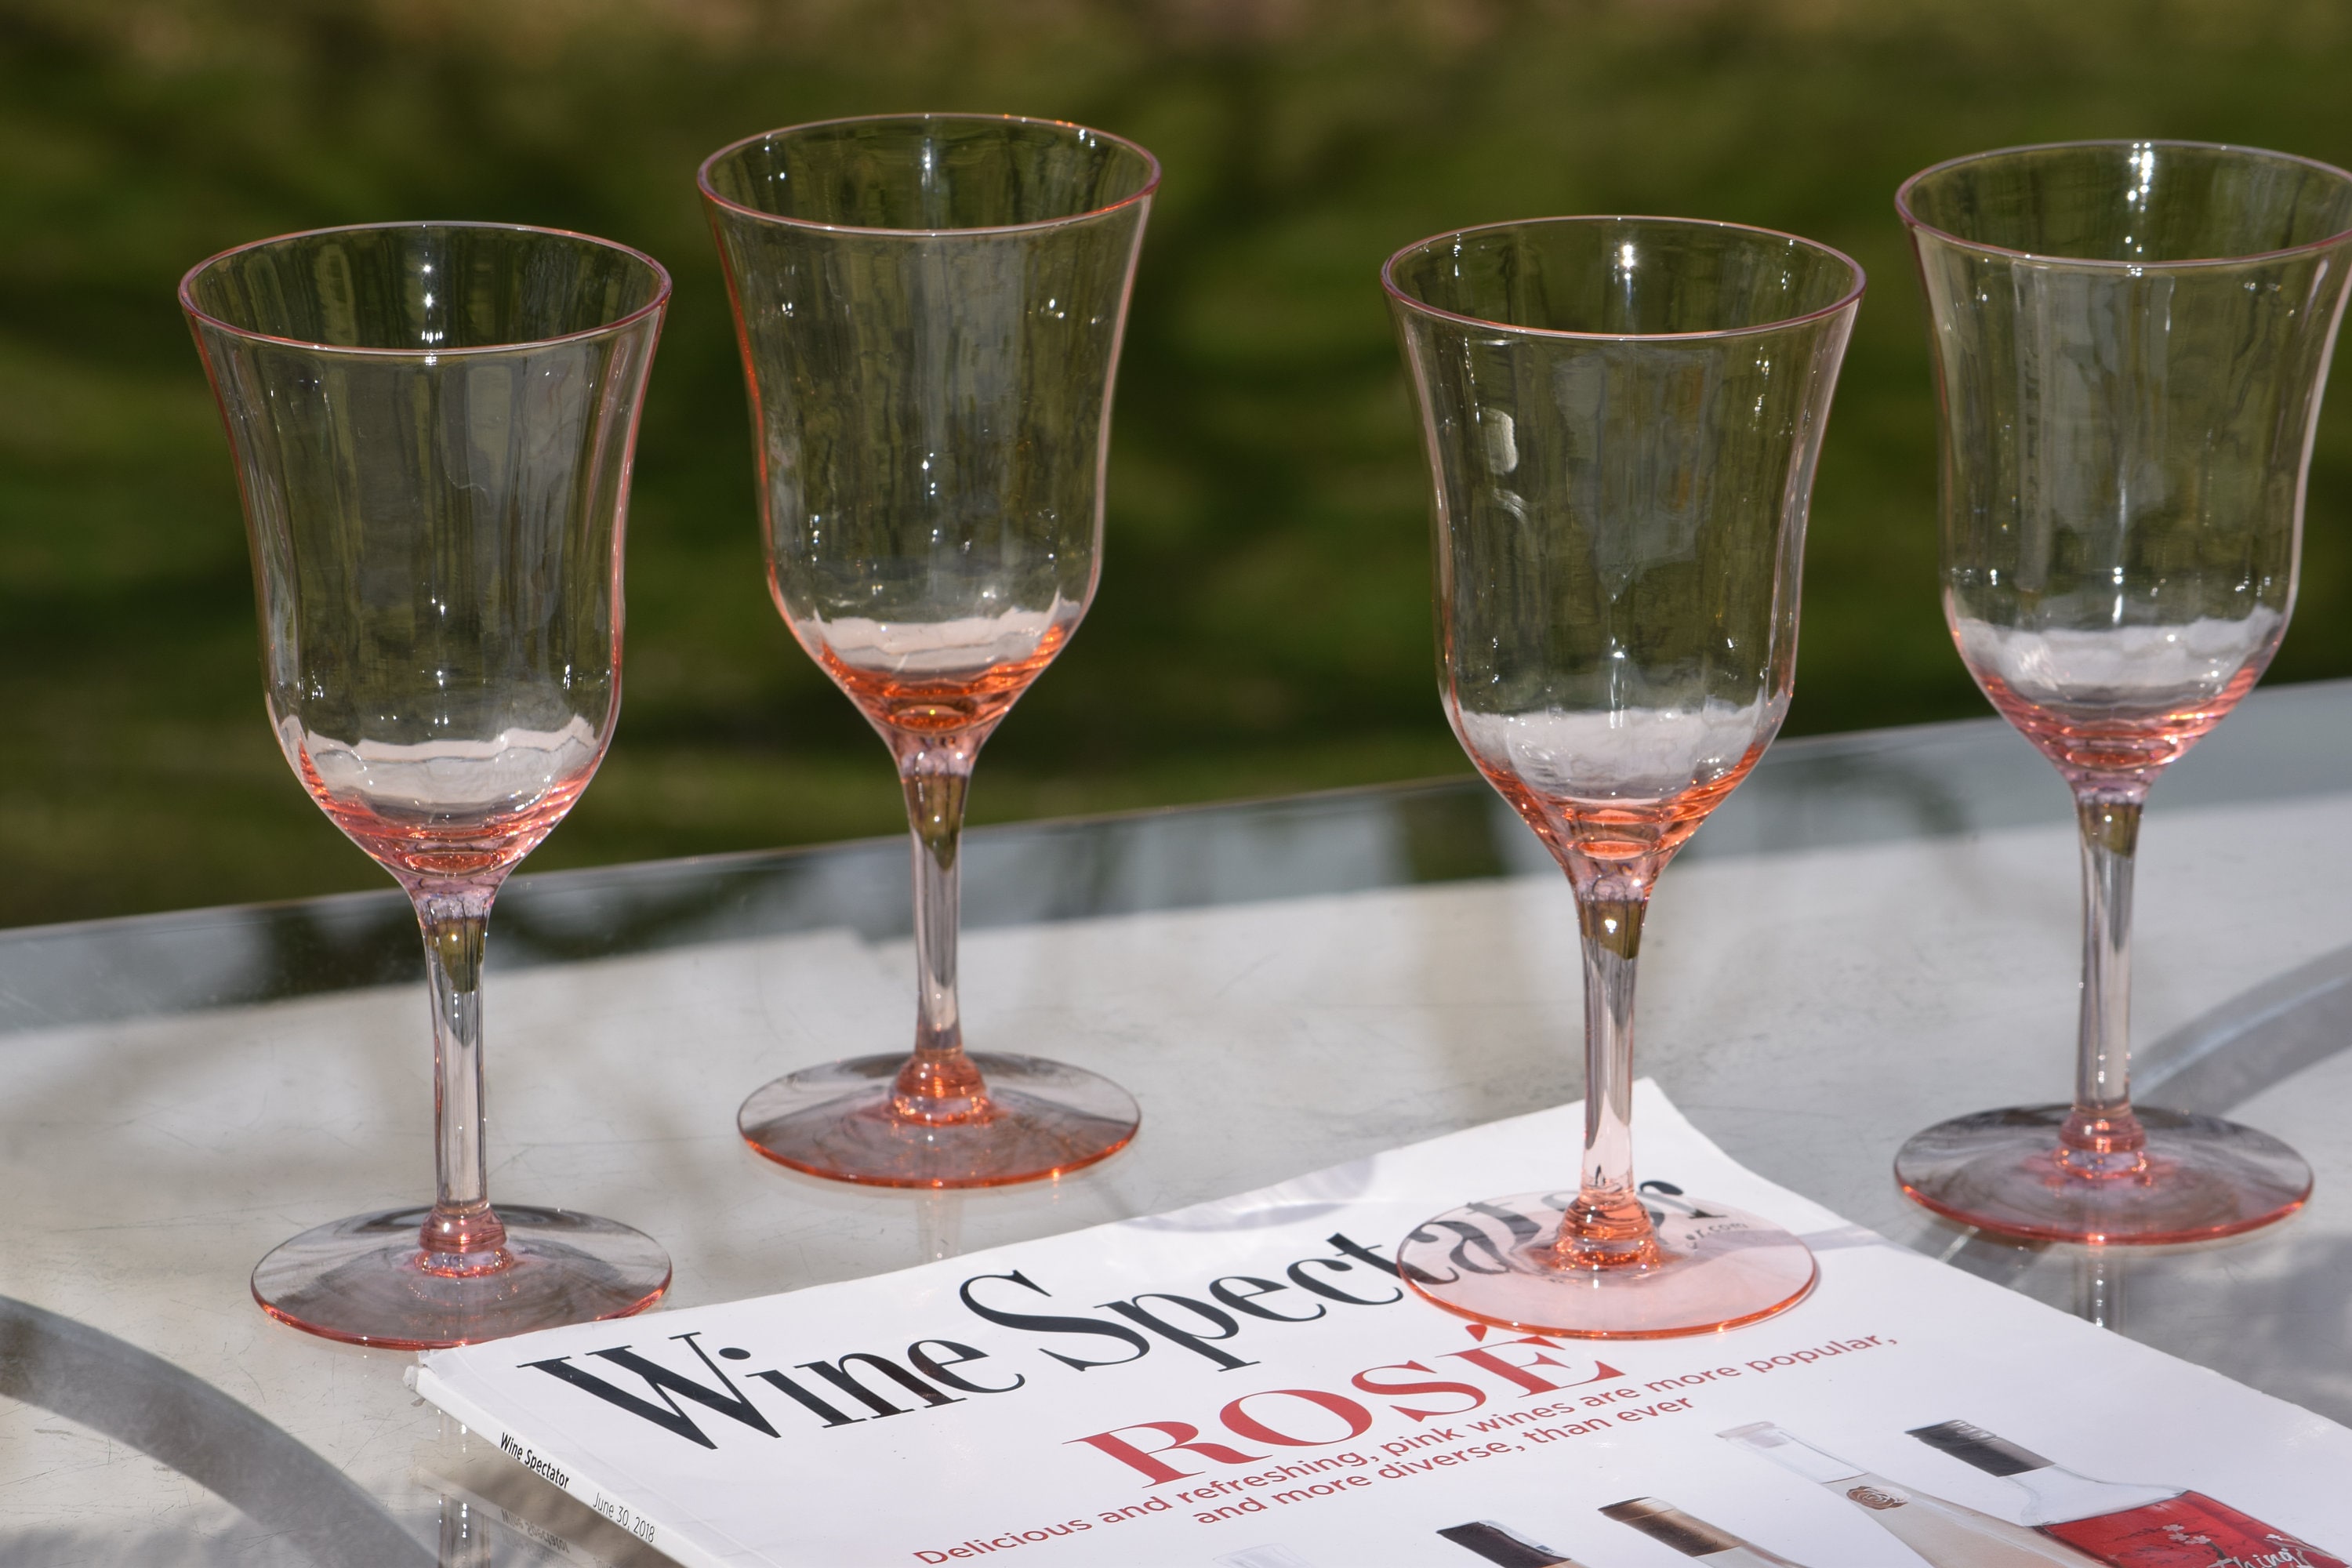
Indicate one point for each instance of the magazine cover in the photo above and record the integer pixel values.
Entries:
(1247, 1383)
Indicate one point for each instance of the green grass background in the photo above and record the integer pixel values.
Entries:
(1263, 622)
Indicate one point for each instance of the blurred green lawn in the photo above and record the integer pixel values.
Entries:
(1263, 623)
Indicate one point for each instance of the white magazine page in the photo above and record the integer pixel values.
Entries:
(1247, 1383)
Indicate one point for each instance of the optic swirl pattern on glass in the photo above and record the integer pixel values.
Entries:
(432, 426)
(1622, 417)
(930, 309)
(2130, 343)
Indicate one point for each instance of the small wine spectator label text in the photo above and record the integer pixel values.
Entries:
(552, 1473)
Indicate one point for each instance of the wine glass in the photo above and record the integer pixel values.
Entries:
(433, 426)
(2130, 341)
(1622, 417)
(930, 309)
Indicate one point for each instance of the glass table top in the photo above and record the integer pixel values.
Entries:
(1876, 931)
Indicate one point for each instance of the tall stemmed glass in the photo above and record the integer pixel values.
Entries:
(1622, 417)
(930, 309)
(2130, 343)
(433, 426)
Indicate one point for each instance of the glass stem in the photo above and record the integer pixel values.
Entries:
(2101, 1136)
(1608, 1226)
(462, 1234)
(940, 1084)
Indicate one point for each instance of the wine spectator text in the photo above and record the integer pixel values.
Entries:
(698, 1394)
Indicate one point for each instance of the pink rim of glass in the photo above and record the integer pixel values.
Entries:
(1903, 207)
(652, 307)
(710, 194)
(1843, 301)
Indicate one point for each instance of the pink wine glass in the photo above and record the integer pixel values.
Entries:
(433, 426)
(1621, 417)
(2130, 341)
(930, 309)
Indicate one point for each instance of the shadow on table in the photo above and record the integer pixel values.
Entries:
(113, 1386)
(491, 1513)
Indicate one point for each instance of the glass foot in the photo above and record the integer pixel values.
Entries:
(1715, 1268)
(1039, 1119)
(362, 1279)
(2198, 1177)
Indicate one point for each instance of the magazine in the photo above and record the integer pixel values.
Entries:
(1248, 1383)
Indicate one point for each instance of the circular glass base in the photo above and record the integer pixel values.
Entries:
(2198, 1178)
(1039, 1119)
(1715, 1268)
(363, 1279)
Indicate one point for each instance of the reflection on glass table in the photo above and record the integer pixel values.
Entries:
(1871, 929)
